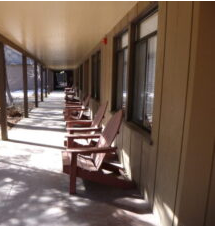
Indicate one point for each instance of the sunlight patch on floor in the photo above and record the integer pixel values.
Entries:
(34, 191)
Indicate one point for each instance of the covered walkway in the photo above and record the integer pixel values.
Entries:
(34, 191)
(153, 61)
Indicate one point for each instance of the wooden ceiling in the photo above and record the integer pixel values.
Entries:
(60, 34)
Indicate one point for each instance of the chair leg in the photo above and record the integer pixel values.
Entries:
(73, 174)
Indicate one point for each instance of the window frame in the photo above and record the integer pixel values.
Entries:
(86, 77)
(135, 25)
(81, 77)
(116, 52)
(96, 75)
(77, 81)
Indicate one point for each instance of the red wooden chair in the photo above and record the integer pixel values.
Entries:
(77, 103)
(69, 89)
(70, 95)
(77, 164)
(72, 99)
(87, 126)
(75, 112)
(84, 124)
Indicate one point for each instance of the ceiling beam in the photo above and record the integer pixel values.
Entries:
(8, 42)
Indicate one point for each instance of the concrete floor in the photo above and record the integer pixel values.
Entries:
(33, 190)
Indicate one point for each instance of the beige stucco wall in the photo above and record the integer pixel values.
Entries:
(173, 166)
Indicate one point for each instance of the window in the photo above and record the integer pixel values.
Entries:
(77, 81)
(86, 77)
(96, 68)
(120, 75)
(144, 71)
(81, 77)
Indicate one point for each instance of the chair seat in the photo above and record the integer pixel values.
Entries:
(83, 162)
(77, 117)
(77, 143)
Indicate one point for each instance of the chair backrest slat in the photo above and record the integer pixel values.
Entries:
(107, 137)
(99, 115)
(84, 105)
(86, 101)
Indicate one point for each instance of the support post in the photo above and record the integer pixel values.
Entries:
(3, 116)
(36, 83)
(46, 74)
(41, 70)
(48, 81)
(25, 86)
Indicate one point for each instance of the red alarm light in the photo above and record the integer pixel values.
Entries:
(104, 40)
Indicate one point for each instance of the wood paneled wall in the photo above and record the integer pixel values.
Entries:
(165, 164)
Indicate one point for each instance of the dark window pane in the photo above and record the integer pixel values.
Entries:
(94, 71)
(144, 72)
(96, 68)
(124, 80)
(121, 72)
(139, 80)
(98, 76)
(81, 77)
(150, 82)
(119, 91)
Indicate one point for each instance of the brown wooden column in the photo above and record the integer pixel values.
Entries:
(25, 86)
(42, 77)
(48, 82)
(3, 116)
(36, 83)
(46, 88)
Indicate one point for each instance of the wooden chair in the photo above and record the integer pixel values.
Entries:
(69, 89)
(70, 95)
(84, 124)
(77, 103)
(87, 126)
(77, 164)
(75, 112)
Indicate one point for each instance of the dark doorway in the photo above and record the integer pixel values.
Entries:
(62, 79)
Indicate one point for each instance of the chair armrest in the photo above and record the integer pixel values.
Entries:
(69, 90)
(80, 130)
(71, 123)
(69, 93)
(73, 104)
(77, 109)
(82, 136)
(90, 150)
(70, 110)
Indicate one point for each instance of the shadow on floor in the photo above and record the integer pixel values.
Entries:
(36, 144)
(38, 128)
(39, 197)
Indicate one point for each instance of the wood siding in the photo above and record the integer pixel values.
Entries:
(160, 163)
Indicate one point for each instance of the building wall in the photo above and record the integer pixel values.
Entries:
(196, 177)
(172, 170)
(15, 77)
